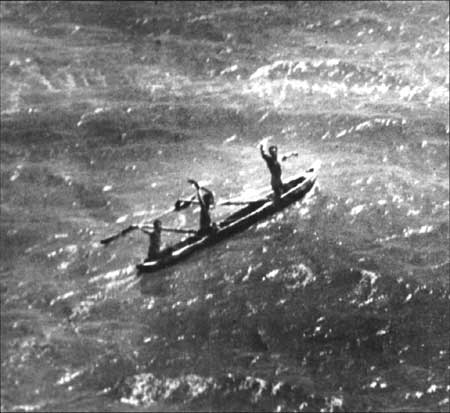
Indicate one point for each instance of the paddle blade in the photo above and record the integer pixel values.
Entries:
(256, 201)
(106, 241)
(182, 204)
(179, 230)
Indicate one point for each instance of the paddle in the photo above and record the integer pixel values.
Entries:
(125, 231)
(198, 187)
(289, 155)
(179, 205)
(178, 230)
(224, 202)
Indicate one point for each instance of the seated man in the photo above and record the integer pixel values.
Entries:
(206, 199)
(155, 240)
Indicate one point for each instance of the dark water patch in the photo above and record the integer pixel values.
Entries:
(41, 13)
(31, 127)
(132, 18)
(104, 122)
(109, 371)
(164, 122)
(47, 189)
(188, 117)
(55, 30)
(157, 25)
(391, 136)
(228, 22)
(38, 138)
(93, 199)
(349, 323)
(11, 154)
(42, 296)
(385, 20)
(20, 323)
(17, 240)
(179, 26)
(154, 135)
(428, 127)
(204, 30)
(40, 175)
(362, 28)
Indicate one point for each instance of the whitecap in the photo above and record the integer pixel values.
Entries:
(357, 182)
(124, 284)
(230, 139)
(433, 388)
(263, 117)
(140, 213)
(68, 377)
(121, 219)
(264, 224)
(71, 249)
(272, 274)
(424, 229)
(356, 210)
(191, 301)
(413, 212)
(230, 69)
(303, 211)
(14, 176)
(64, 265)
(109, 275)
(62, 297)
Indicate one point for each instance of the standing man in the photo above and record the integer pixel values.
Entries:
(274, 168)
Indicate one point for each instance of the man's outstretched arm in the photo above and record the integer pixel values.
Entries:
(263, 154)
(145, 231)
(197, 188)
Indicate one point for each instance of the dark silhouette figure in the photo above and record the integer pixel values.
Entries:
(155, 240)
(206, 199)
(274, 168)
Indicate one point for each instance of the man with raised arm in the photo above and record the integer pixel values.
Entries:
(275, 168)
(206, 199)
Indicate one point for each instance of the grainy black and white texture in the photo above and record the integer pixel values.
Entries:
(340, 303)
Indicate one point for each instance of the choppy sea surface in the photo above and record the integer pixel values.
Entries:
(339, 303)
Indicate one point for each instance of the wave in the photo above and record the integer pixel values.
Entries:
(346, 308)
(335, 77)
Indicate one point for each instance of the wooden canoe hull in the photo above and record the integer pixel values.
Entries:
(294, 190)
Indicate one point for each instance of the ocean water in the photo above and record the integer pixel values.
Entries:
(339, 303)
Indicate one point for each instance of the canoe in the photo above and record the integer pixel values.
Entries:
(294, 190)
